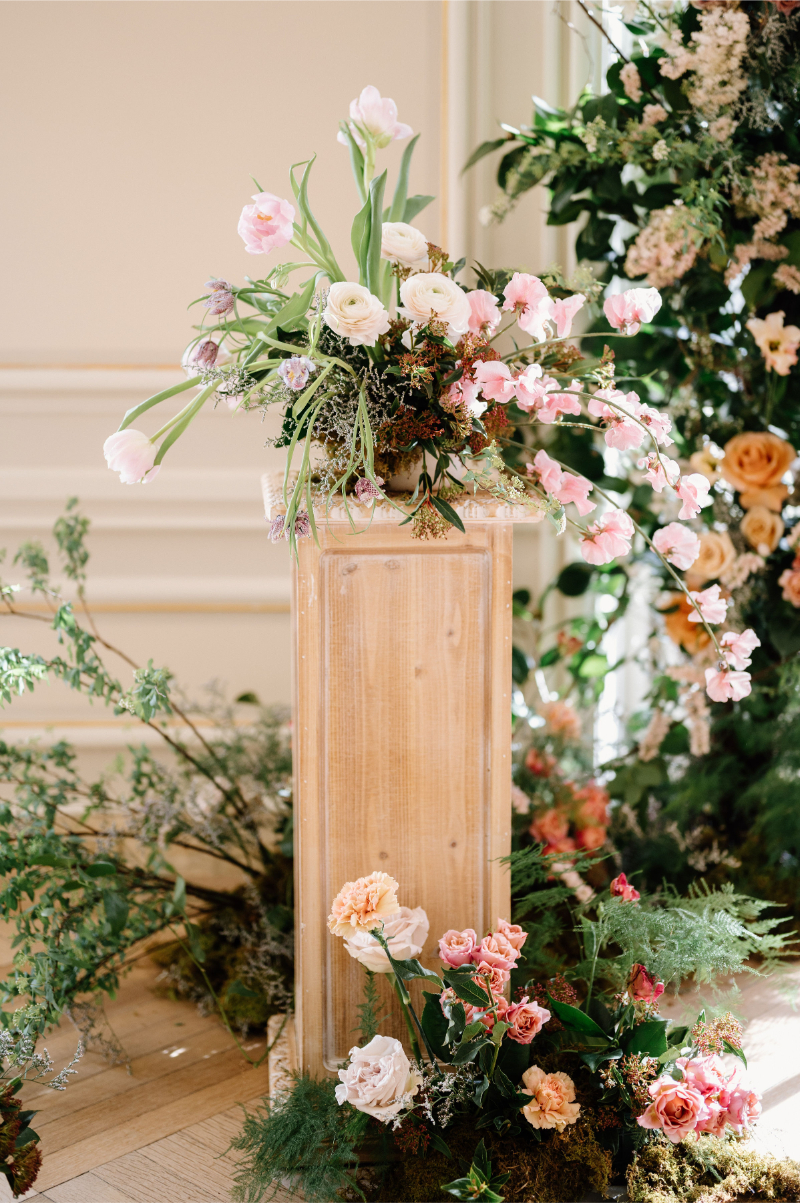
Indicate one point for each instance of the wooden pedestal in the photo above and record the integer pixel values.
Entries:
(401, 734)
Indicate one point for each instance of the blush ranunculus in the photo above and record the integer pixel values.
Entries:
(379, 1080)
(457, 947)
(405, 932)
(620, 887)
(363, 904)
(677, 544)
(627, 310)
(354, 313)
(727, 685)
(643, 986)
(131, 453)
(676, 1109)
(431, 295)
(738, 649)
(693, 492)
(404, 244)
(484, 311)
(552, 1102)
(527, 1020)
(266, 225)
(712, 607)
(496, 950)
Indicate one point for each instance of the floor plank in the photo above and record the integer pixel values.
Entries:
(146, 1182)
(87, 1188)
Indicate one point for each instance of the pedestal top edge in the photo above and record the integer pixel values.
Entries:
(480, 506)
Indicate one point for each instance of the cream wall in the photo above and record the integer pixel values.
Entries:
(135, 129)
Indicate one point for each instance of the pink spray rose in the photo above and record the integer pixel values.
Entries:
(739, 648)
(676, 1109)
(495, 379)
(643, 986)
(693, 492)
(378, 116)
(627, 310)
(621, 888)
(491, 977)
(712, 607)
(564, 313)
(515, 934)
(726, 685)
(131, 453)
(743, 1107)
(496, 950)
(526, 1019)
(677, 544)
(484, 311)
(607, 538)
(266, 225)
(457, 947)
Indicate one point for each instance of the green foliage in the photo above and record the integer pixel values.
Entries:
(302, 1135)
(480, 1182)
(691, 1171)
(370, 1011)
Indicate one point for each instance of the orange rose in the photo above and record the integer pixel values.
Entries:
(717, 553)
(773, 498)
(762, 529)
(789, 582)
(691, 636)
(756, 459)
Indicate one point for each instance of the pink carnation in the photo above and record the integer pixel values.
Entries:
(484, 311)
(726, 685)
(496, 950)
(607, 538)
(564, 313)
(266, 225)
(457, 947)
(676, 1109)
(693, 492)
(526, 1019)
(739, 648)
(712, 607)
(621, 888)
(659, 471)
(627, 310)
(677, 544)
(495, 379)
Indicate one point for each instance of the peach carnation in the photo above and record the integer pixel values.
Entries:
(363, 904)
(552, 1102)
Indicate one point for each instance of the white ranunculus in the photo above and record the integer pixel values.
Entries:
(379, 1080)
(402, 243)
(354, 313)
(431, 293)
(405, 933)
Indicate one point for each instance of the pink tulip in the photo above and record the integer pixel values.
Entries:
(131, 453)
(607, 538)
(725, 685)
(627, 310)
(495, 379)
(660, 471)
(693, 492)
(378, 116)
(739, 648)
(266, 225)
(677, 544)
(712, 607)
(484, 311)
(564, 313)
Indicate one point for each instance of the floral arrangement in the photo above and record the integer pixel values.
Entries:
(541, 1093)
(688, 172)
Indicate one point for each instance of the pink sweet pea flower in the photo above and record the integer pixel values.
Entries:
(526, 1019)
(532, 387)
(660, 471)
(657, 423)
(607, 538)
(563, 486)
(725, 685)
(550, 473)
(529, 298)
(623, 432)
(465, 392)
(676, 1109)
(266, 225)
(496, 950)
(457, 947)
(621, 888)
(712, 607)
(739, 648)
(564, 313)
(627, 310)
(131, 453)
(378, 116)
(677, 544)
(484, 311)
(693, 492)
(515, 934)
(554, 404)
(495, 379)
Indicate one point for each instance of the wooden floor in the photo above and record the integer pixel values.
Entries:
(159, 1134)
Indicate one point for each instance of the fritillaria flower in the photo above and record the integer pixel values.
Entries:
(221, 299)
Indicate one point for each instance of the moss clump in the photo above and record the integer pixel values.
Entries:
(709, 1170)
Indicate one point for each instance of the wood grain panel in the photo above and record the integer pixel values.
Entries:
(402, 720)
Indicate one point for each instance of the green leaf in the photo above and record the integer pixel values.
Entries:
(54, 862)
(447, 511)
(415, 205)
(26, 1136)
(179, 894)
(434, 1024)
(574, 579)
(407, 971)
(116, 909)
(485, 148)
(519, 666)
(504, 1084)
(736, 1052)
(593, 1060)
(100, 868)
(471, 993)
(132, 414)
(440, 1146)
(356, 158)
(292, 315)
(575, 1020)
(398, 207)
(359, 237)
(593, 666)
(648, 1038)
(376, 234)
(238, 988)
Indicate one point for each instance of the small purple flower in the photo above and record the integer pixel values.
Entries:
(302, 526)
(276, 528)
(221, 299)
(204, 354)
(295, 372)
(365, 489)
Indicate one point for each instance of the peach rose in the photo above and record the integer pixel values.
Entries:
(789, 582)
(562, 719)
(491, 977)
(457, 947)
(550, 826)
(762, 529)
(515, 935)
(690, 636)
(363, 904)
(717, 553)
(526, 1019)
(773, 498)
(677, 1108)
(591, 837)
(594, 803)
(496, 950)
(552, 1102)
(756, 459)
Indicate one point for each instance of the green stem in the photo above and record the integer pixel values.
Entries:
(548, 342)
(404, 1000)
